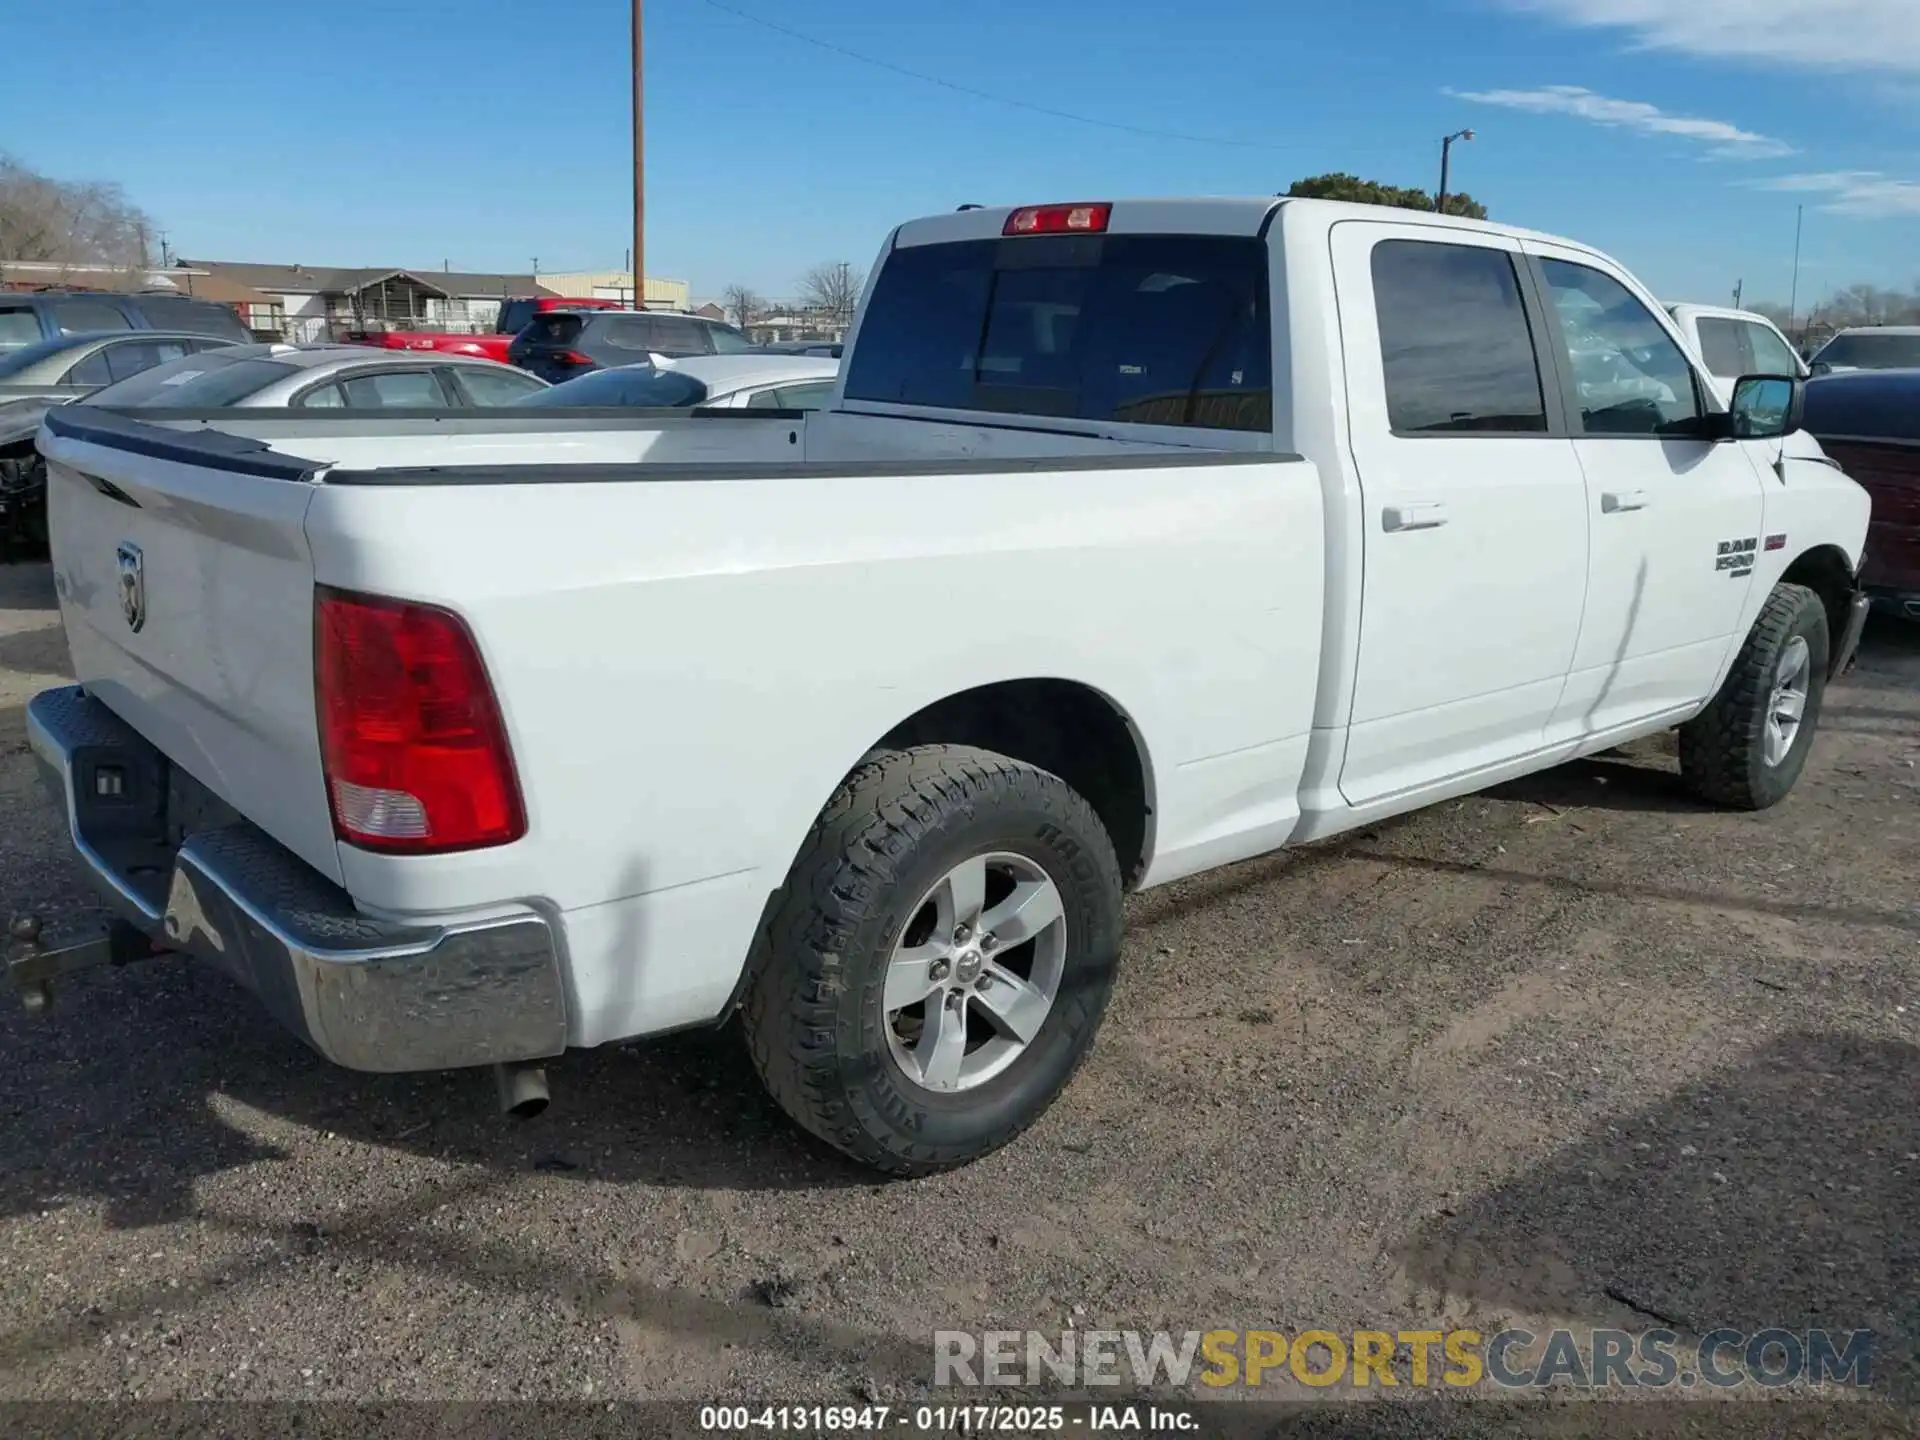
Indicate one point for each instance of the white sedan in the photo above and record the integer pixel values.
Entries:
(725, 382)
(322, 377)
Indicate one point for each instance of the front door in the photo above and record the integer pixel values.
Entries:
(1475, 524)
(1675, 519)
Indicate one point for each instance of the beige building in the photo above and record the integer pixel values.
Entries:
(618, 285)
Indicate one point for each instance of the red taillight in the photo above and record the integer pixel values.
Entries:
(416, 757)
(573, 357)
(1058, 220)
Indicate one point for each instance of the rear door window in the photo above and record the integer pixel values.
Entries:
(1455, 343)
(126, 361)
(83, 317)
(395, 390)
(1140, 329)
(18, 328)
(626, 332)
(679, 335)
(514, 317)
(199, 317)
(1722, 346)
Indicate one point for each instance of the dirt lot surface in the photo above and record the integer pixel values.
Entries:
(1578, 1051)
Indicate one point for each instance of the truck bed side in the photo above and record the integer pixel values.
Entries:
(688, 669)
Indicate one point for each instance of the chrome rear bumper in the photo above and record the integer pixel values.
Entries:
(189, 872)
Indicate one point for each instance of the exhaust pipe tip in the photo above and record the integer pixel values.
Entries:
(523, 1089)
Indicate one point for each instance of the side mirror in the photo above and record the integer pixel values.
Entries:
(1766, 407)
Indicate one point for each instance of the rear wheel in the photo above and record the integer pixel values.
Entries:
(940, 960)
(1748, 747)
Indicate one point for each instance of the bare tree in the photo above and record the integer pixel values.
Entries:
(834, 290)
(69, 222)
(742, 304)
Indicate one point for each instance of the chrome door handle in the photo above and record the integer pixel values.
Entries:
(1425, 516)
(1614, 501)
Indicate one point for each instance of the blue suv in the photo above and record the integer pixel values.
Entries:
(27, 318)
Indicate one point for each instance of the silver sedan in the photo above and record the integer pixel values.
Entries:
(322, 377)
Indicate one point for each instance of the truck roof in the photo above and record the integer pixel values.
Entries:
(1206, 215)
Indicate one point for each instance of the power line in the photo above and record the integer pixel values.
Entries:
(1017, 104)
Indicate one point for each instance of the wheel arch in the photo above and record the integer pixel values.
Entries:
(1066, 727)
(1825, 570)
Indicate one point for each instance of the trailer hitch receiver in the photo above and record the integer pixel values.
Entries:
(33, 965)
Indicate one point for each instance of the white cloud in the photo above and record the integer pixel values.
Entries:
(1866, 193)
(1881, 35)
(1724, 140)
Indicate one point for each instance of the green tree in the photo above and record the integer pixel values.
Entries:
(1341, 186)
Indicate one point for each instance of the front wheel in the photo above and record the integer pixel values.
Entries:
(940, 960)
(1748, 747)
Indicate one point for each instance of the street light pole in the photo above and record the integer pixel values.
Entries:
(1446, 154)
(639, 169)
(1793, 302)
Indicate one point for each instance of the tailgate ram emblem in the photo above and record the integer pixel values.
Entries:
(133, 585)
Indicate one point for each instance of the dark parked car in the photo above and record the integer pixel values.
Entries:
(34, 378)
(1872, 347)
(28, 318)
(561, 344)
(1868, 422)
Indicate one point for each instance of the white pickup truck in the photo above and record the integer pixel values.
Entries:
(1140, 538)
(1735, 343)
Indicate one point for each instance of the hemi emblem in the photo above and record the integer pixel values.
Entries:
(1776, 542)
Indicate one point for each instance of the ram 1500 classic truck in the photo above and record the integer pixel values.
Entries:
(1140, 538)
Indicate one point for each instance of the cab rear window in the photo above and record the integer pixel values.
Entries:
(1136, 329)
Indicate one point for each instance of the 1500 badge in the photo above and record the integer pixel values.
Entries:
(1736, 556)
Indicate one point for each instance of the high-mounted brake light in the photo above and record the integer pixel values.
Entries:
(1058, 220)
(416, 758)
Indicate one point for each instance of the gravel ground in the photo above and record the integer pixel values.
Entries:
(1577, 1051)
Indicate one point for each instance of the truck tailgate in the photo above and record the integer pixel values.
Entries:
(186, 589)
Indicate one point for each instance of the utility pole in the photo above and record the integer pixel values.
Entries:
(1793, 304)
(1739, 289)
(639, 168)
(1446, 154)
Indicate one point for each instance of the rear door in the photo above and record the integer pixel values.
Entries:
(1475, 539)
(1675, 518)
(186, 590)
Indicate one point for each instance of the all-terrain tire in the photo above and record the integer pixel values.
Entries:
(1722, 750)
(813, 1014)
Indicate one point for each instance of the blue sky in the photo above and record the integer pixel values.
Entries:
(1677, 134)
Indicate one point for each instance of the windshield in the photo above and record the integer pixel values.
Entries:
(1871, 352)
(628, 385)
(194, 382)
(729, 341)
